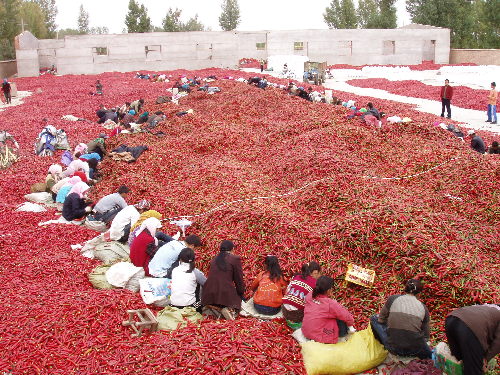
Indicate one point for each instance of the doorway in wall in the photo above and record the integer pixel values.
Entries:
(429, 50)
(204, 51)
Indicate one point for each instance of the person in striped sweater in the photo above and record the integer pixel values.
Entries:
(403, 323)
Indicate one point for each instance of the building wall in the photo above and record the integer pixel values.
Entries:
(476, 56)
(93, 54)
(8, 68)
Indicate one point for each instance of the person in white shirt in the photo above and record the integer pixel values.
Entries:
(187, 281)
(108, 206)
(168, 254)
(123, 221)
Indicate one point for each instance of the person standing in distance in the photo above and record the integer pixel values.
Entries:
(492, 104)
(446, 95)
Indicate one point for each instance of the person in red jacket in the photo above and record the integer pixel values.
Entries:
(145, 244)
(324, 316)
(446, 95)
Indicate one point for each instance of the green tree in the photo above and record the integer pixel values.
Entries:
(193, 24)
(32, 15)
(487, 29)
(99, 30)
(172, 22)
(230, 16)
(341, 15)
(137, 20)
(457, 15)
(49, 9)
(63, 32)
(368, 14)
(387, 18)
(83, 21)
(9, 28)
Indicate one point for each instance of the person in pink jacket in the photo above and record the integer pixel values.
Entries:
(324, 316)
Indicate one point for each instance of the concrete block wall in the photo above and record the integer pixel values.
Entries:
(476, 56)
(7, 68)
(195, 50)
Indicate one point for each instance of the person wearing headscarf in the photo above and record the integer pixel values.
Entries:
(77, 165)
(81, 149)
(65, 189)
(98, 145)
(225, 286)
(75, 207)
(54, 175)
(125, 219)
(145, 244)
(82, 176)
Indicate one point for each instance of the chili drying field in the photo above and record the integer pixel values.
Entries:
(407, 201)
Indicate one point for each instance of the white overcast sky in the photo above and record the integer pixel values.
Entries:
(255, 14)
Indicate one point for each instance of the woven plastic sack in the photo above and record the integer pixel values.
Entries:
(172, 318)
(125, 275)
(110, 252)
(155, 291)
(39, 197)
(133, 282)
(98, 278)
(359, 353)
(96, 225)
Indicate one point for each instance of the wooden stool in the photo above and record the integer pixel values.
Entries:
(146, 320)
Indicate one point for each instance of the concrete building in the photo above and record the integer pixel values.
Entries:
(94, 54)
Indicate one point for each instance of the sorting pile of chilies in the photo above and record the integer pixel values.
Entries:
(241, 143)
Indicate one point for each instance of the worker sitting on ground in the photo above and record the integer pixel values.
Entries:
(325, 320)
(145, 244)
(224, 288)
(53, 177)
(124, 220)
(137, 105)
(187, 281)
(109, 115)
(494, 148)
(295, 296)
(98, 87)
(98, 145)
(163, 262)
(371, 110)
(292, 89)
(476, 142)
(101, 111)
(473, 334)
(254, 81)
(301, 93)
(75, 205)
(268, 288)
(108, 206)
(403, 324)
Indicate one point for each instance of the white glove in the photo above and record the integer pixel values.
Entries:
(177, 236)
(352, 329)
(88, 209)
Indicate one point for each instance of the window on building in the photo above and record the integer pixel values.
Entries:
(298, 46)
(153, 52)
(100, 51)
(260, 46)
(389, 47)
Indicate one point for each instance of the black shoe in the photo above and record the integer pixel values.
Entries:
(488, 121)
(442, 115)
(494, 122)
(449, 117)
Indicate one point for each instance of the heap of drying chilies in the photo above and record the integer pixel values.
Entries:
(244, 142)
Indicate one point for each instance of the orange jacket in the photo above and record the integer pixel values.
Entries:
(268, 293)
(492, 97)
